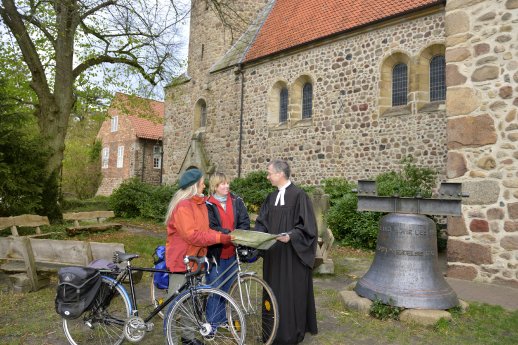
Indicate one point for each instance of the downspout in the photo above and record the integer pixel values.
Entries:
(240, 70)
(161, 158)
(143, 160)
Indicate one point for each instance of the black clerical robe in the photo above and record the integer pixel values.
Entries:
(287, 267)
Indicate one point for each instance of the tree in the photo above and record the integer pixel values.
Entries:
(61, 41)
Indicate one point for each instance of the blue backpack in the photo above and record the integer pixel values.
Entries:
(161, 280)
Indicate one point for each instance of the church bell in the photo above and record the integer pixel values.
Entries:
(405, 271)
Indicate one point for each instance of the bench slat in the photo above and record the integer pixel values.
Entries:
(88, 215)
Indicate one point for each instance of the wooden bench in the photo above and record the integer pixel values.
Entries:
(99, 216)
(37, 257)
(25, 220)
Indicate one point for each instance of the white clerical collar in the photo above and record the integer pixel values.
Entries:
(280, 195)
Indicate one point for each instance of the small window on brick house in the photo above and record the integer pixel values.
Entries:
(105, 157)
(437, 78)
(115, 124)
(307, 101)
(120, 156)
(283, 105)
(399, 84)
(157, 157)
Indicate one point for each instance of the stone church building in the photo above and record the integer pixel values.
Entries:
(345, 88)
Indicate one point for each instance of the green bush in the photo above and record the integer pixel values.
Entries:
(155, 206)
(350, 227)
(337, 188)
(410, 182)
(134, 198)
(253, 188)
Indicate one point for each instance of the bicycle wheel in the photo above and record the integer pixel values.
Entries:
(104, 322)
(158, 296)
(188, 322)
(259, 304)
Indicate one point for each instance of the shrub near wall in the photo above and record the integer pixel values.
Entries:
(135, 199)
(253, 188)
(350, 227)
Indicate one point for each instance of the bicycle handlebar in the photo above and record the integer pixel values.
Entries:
(200, 260)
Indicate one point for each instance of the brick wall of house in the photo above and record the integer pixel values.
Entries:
(124, 136)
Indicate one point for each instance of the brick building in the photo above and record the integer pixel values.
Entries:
(348, 88)
(132, 142)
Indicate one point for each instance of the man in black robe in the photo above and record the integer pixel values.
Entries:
(288, 264)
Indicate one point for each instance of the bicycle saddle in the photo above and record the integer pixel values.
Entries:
(119, 257)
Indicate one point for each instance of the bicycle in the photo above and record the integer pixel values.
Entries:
(254, 296)
(114, 317)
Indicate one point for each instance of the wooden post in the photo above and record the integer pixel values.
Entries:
(88, 255)
(28, 258)
(14, 231)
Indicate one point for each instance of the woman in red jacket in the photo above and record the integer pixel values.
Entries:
(188, 231)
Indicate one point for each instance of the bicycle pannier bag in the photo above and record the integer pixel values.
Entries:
(76, 291)
(161, 280)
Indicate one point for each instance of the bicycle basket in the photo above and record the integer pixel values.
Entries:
(161, 280)
(76, 291)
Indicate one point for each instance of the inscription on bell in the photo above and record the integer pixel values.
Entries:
(407, 229)
(385, 250)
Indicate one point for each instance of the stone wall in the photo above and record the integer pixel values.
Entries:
(221, 91)
(482, 132)
(346, 135)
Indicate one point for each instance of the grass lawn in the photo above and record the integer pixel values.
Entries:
(30, 318)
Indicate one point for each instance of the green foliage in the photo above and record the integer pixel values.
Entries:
(410, 182)
(382, 311)
(82, 164)
(253, 188)
(135, 199)
(336, 188)
(98, 203)
(22, 158)
(357, 229)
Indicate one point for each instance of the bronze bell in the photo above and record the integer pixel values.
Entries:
(405, 271)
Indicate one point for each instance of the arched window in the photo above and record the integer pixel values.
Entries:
(307, 101)
(399, 84)
(200, 114)
(203, 114)
(437, 78)
(283, 105)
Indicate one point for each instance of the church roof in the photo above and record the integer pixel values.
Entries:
(292, 23)
(145, 115)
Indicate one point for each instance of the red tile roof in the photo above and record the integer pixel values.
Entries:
(146, 129)
(145, 115)
(295, 22)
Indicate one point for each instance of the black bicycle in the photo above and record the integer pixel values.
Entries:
(114, 316)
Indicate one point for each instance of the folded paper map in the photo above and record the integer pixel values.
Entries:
(254, 239)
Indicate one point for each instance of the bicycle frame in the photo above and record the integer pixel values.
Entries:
(127, 273)
(236, 274)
